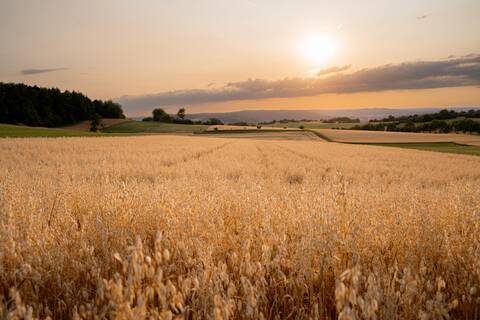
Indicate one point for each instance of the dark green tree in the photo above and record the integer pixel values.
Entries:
(95, 122)
(181, 113)
(161, 116)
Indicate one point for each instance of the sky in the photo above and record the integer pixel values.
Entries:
(222, 55)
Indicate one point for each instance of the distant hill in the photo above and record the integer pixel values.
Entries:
(255, 116)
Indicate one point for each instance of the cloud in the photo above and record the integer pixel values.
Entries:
(425, 16)
(456, 72)
(37, 71)
(333, 70)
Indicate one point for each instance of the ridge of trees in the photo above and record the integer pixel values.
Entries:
(50, 107)
(441, 115)
(161, 115)
(342, 120)
(441, 126)
(444, 121)
(331, 120)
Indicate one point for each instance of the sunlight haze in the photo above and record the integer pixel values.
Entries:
(159, 49)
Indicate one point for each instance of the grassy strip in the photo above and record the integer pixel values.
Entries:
(447, 147)
(153, 127)
(321, 136)
(8, 130)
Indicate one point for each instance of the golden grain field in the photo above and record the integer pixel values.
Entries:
(208, 228)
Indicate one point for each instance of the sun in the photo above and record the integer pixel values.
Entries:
(318, 48)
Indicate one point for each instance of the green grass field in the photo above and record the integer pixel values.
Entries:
(8, 130)
(448, 147)
(153, 127)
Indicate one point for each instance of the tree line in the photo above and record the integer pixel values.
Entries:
(441, 126)
(50, 107)
(331, 120)
(441, 122)
(441, 115)
(161, 115)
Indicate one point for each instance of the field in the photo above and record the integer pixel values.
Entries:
(314, 125)
(448, 147)
(264, 134)
(85, 125)
(153, 127)
(203, 227)
(8, 130)
(244, 128)
(364, 136)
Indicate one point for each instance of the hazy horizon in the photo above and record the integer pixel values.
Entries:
(217, 56)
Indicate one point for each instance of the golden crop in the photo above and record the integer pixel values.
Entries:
(194, 227)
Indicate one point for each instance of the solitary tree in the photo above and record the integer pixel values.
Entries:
(95, 122)
(181, 113)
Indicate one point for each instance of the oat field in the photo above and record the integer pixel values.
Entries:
(175, 227)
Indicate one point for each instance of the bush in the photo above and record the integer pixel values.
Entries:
(213, 122)
(161, 116)
(95, 122)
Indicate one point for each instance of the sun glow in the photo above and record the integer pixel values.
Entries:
(318, 48)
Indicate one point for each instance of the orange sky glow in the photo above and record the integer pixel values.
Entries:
(215, 55)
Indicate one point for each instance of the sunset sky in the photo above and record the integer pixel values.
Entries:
(234, 55)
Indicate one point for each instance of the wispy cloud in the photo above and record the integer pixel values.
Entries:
(422, 17)
(455, 72)
(331, 70)
(37, 71)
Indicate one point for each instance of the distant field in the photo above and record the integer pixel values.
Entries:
(363, 136)
(153, 127)
(8, 130)
(447, 147)
(314, 125)
(254, 128)
(85, 125)
(264, 134)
